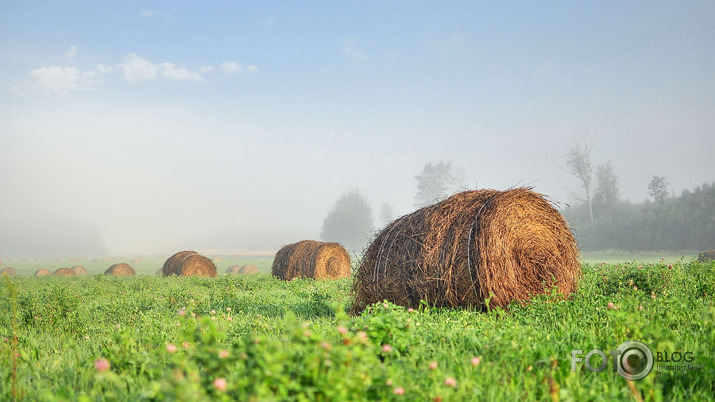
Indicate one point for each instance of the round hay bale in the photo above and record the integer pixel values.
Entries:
(79, 270)
(121, 269)
(43, 272)
(189, 263)
(475, 245)
(233, 269)
(311, 259)
(706, 256)
(8, 271)
(63, 272)
(248, 269)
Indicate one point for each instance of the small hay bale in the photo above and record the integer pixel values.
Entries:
(248, 269)
(706, 256)
(233, 269)
(189, 263)
(311, 259)
(121, 269)
(43, 272)
(64, 272)
(8, 271)
(79, 270)
(501, 245)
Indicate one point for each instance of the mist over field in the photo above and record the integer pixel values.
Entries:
(129, 129)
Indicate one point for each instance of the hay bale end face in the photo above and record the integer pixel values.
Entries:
(79, 270)
(189, 263)
(8, 271)
(311, 259)
(121, 269)
(501, 245)
(64, 272)
(706, 256)
(43, 272)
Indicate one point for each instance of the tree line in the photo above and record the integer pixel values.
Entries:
(599, 218)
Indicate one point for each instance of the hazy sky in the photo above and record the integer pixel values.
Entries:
(207, 124)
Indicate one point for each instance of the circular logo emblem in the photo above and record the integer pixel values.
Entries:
(635, 360)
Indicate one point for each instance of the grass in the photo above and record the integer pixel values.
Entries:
(178, 338)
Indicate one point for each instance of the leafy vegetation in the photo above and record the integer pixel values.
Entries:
(685, 222)
(252, 336)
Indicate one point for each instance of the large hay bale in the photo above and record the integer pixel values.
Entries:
(79, 270)
(64, 272)
(248, 269)
(706, 256)
(189, 263)
(311, 259)
(8, 271)
(43, 272)
(121, 269)
(501, 245)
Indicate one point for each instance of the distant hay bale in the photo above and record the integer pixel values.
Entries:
(64, 272)
(233, 269)
(501, 245)
(120, 269)
(311, 259)
(79, 270)
(159, 271)
(217, 259)
(706, 256)
(248, 269)
(189, 263)
(8, 271)
(43, 272)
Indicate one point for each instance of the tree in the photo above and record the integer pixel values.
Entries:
(433, 183)
(578, 164)
(349, 222)
(386, 214)
(606, 193)
(658, 188)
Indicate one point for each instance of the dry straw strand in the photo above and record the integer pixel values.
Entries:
(311, 259)
(43, 272)
(8, 271)
(64, 272)
(475, 245)
(189, 263)
(121, 269)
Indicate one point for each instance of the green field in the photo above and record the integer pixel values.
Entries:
(254, 337)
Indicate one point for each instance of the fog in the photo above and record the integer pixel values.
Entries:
(153, 142)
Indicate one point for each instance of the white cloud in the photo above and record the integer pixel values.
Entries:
(71, 53)
(60, 79)
(104, 69)
(137, 68)
(252, 69)
(350, 48)
(230, 67)
(205, 69)
(170, 71)
(148, 13)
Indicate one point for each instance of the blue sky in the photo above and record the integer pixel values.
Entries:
(249, 119)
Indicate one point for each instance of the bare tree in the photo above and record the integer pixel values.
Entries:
(578, 164)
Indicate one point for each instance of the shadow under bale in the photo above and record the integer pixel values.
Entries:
(311, 259)
(475, 245)
(189, 263)
(121, 269)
